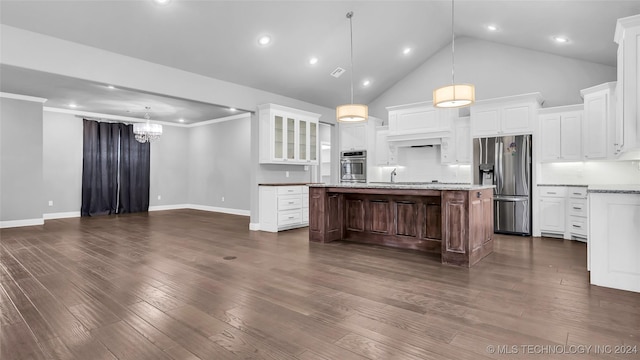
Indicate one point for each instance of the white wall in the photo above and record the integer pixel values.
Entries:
(422, 165)
(497, 70)
(219, 164)
(590, 173)
(62, 165)
(21, 186)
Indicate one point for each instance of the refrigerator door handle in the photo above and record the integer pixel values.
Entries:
(496, 166)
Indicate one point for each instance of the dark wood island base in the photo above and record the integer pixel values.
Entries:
(458, 224)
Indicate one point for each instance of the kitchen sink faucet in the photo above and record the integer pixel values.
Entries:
(393, 175)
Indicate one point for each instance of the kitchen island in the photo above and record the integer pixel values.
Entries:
(454, 220)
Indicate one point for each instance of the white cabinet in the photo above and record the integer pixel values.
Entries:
(599, 114)
(385, 155)
(513, 115)
(552, 208)
(418, 118)
(560, 133)
(283, 207)
(463, 140)
(578, 213)
(563, 212)
(287, 135)
(456, 149)
(627, 124)
(353, 136)
(614, 244)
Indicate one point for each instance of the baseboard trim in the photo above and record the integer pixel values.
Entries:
(169, 207)
(20, 223)
(254, 226)
(220, 210)
(61, 215)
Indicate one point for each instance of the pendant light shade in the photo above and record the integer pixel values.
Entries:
(352, 112)
(454, 95)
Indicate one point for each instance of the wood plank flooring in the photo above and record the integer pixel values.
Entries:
(157, 286)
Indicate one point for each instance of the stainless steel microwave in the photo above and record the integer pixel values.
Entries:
(353, 166)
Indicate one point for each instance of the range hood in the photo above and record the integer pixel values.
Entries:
(417, 139)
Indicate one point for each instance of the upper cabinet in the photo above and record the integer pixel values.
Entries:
(353, 136)
(457, 148)
(626, 133)
(560, 133)
(512, 115)
(599, 114)
(287, 135)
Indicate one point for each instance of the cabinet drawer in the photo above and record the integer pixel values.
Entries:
(578, 225)
(289, 217)
(305, 215)
(578, 207)
(578, 192)
(289, 190)
(289, 202)
(552, 191)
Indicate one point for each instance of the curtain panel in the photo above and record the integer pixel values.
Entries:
(115, 170)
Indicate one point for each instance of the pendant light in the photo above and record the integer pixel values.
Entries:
(454, 95)
(352, 112)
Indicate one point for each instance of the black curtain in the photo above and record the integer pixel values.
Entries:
(134, 172)
(115, 170)
(100, 168)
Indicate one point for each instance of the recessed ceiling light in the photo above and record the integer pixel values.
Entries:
(561, 39)
(162, 2)
(313, 60)
(73, 105)
(111, 87)
(232, 109)
(492, 27)
(181, 120)
(406, 51)
(366, 83)
(264, 40)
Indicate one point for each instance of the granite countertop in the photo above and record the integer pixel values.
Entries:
(400, 186)
(567, 185)
(615, 189)
(287, 184)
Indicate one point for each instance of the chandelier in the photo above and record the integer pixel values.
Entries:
(352, 112)
(454, 95)
(147, 132)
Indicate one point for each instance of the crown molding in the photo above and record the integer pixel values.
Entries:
(22, 97)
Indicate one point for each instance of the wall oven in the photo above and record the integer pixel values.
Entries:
(353, 166)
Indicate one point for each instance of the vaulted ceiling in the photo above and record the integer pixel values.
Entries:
(219, 39)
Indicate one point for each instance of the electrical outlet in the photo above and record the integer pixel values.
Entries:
(50, 202)
(223, 199)
(286, 174)
(159, 197)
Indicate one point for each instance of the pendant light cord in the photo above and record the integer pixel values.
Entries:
(349, 16)
(453, 48)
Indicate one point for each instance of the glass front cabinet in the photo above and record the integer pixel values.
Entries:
(288, 136)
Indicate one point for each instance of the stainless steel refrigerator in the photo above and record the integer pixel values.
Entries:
(506, 163)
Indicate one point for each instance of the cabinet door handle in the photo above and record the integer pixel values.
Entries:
(577, 208)
(576, 226)
(577, 194)
(550, 192)
(291, 217)
(291, 202)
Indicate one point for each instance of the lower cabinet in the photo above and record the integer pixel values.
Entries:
(614, 243)
(283, 207)
(563, 212)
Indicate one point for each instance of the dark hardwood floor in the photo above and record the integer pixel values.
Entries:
(157, 286)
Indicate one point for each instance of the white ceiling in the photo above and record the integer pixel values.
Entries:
(219, 38)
